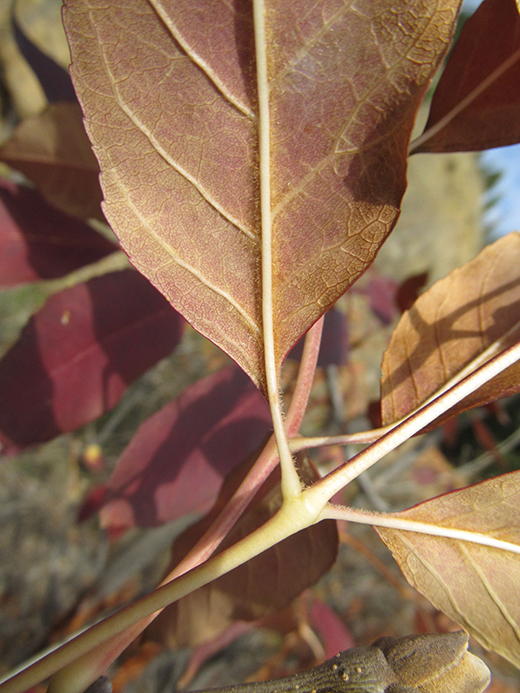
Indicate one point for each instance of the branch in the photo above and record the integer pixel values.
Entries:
(323, 490)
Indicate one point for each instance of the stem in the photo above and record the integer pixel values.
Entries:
(291, 487)
(78, 668)
(302, 389)
(100, 657)
(397, 522)
(325, 488)
(366, 437)
(466, 101)
(264, 465)
(363, 437)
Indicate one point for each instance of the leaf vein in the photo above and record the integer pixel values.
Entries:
(159, 149)
(495, 599)
(175, 258)
(201, 64)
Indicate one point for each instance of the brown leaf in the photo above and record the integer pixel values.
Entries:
(452, 323)
(265, 584)
(476, 585)
(171, 108)
(477, 102)
(53, 151)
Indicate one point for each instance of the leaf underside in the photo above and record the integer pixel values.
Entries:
(478, 586)
(451, 324)
(171, 109)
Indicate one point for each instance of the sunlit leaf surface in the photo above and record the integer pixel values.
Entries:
(77, 355)
(476, 104)
(451, 324)
(169, 93)
(478, 586)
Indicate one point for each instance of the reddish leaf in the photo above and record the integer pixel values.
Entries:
(335, 346)
(334, 634)
(266, 583)
(39, 242)
(202, 653)
(451, 324)
(381, 293)
(53, 151)
(462, 117)
(169, 93)
(76, 356)
(408, 291)
(178, 458)
(476, 585)
(92, 502)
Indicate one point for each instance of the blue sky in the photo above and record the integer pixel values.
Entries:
(504, 216)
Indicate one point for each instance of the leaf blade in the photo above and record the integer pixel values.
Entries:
(53, 151)
(476, 104)
(451, 324)
(474, 584)
(195, 232)
(76, 356)
(40, 242)
(178, 458)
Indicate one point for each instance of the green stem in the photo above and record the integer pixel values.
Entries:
(77, 665)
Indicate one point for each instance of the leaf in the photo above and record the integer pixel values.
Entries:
(476, 585)
(39, 242)
(333, 632)
(264, 584)
(76, 356)
(169, 94)
(451, 324)
(177, 460)
(53, 151)
(476, 104)
(381, 292)
(334, 346)
(408, 291)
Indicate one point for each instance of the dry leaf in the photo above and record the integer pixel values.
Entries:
(53, 151)
(477, 586)
(455, 321)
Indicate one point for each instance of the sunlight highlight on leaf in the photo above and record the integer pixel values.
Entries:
(451, 324)
(478, 586)
(171, 108)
